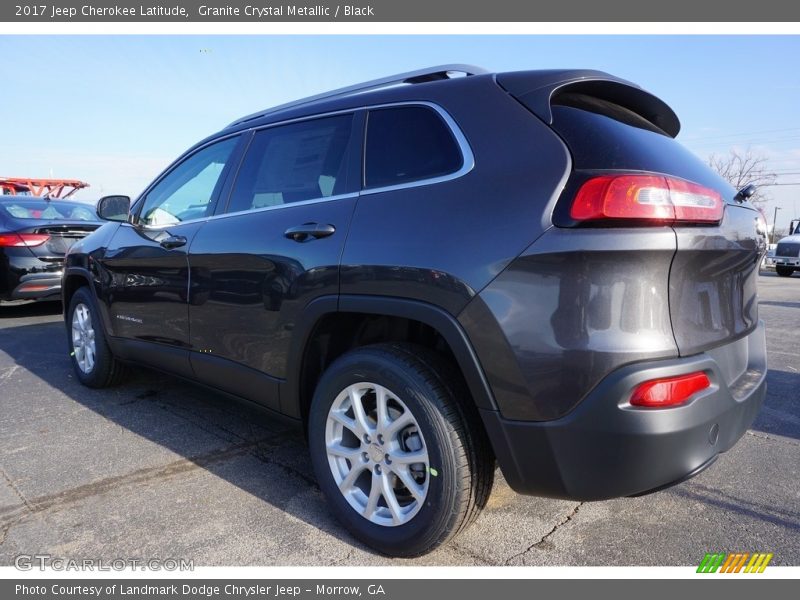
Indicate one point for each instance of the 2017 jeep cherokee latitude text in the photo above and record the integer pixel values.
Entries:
(523, 268)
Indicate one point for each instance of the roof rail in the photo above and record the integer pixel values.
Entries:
(420, 76)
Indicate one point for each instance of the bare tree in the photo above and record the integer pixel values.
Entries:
(743, 168)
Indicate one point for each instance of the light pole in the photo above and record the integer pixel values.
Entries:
(774, 222)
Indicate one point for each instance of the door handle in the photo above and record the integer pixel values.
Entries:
(173, 241)
(309, 231)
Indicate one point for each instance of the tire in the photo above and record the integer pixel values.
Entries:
(784, 271)
(423, 419)
(92, 360)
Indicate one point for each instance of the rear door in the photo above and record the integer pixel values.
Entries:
(275, 249)
(147, 295)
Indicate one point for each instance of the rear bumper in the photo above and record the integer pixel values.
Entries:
(37, 286)
(605, 448)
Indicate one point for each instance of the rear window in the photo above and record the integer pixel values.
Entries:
(47, 210)
(602, 135)
(406, 144)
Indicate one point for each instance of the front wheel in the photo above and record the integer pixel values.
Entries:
(784, 271)
(92, 360)
(403, 463)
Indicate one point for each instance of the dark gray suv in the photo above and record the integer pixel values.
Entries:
(433, 273)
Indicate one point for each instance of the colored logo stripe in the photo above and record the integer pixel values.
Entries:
(733, 563)
(711, 563)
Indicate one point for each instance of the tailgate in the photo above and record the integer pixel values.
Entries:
(713, 281)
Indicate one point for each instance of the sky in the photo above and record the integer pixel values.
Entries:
(115, 110)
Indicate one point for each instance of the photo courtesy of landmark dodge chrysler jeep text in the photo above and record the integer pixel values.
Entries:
(434, 273)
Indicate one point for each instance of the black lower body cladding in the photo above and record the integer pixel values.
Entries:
(605, 448)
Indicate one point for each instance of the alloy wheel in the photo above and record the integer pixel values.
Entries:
(377, 454)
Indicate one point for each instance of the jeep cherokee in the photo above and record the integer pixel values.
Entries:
(432, 273)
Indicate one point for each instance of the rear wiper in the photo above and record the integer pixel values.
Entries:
(745, 193)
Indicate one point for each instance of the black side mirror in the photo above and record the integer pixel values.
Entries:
(114, 208)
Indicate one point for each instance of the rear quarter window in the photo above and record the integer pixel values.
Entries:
(406, 144)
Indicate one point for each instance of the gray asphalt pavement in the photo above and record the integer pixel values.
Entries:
(159, 468)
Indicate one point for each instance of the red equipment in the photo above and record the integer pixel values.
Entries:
(52, 188)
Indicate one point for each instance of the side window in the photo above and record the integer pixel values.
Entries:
(408, 143)
(186, 192)
(292, 163)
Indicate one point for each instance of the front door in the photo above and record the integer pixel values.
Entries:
(146, 260)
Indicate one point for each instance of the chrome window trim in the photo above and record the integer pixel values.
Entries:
(467, 158)
(468, 161)
(239, 213)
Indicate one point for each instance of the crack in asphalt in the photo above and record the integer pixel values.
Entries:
(17, 491)
(471, 555)
(8, 526)
(544, 543)
(17, 516)
(350, 552)
(780, 440)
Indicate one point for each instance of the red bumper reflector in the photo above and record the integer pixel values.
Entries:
(670, 391)
(34, 288)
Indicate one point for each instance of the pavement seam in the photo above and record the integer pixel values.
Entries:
(215, 430)
(546, 538)
(143, 475)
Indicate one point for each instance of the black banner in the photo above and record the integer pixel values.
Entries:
(729, 588)
(256, 11)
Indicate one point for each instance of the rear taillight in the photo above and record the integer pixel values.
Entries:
(669, 391)
(648, 199)
(15, 240)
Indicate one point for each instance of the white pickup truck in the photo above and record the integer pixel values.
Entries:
(787, 252)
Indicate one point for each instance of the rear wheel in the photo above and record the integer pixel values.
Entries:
(403, 464)
(784, 271)
(92, 360)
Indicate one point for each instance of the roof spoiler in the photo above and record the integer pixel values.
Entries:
(539, 90)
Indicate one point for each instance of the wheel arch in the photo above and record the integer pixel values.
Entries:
(74, 278)
(78, 277)
(304, 367)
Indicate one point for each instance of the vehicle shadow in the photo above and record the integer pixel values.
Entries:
(780, 414)
(207, 429)
(30, 309)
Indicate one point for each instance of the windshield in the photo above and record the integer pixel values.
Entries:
(46, 210)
